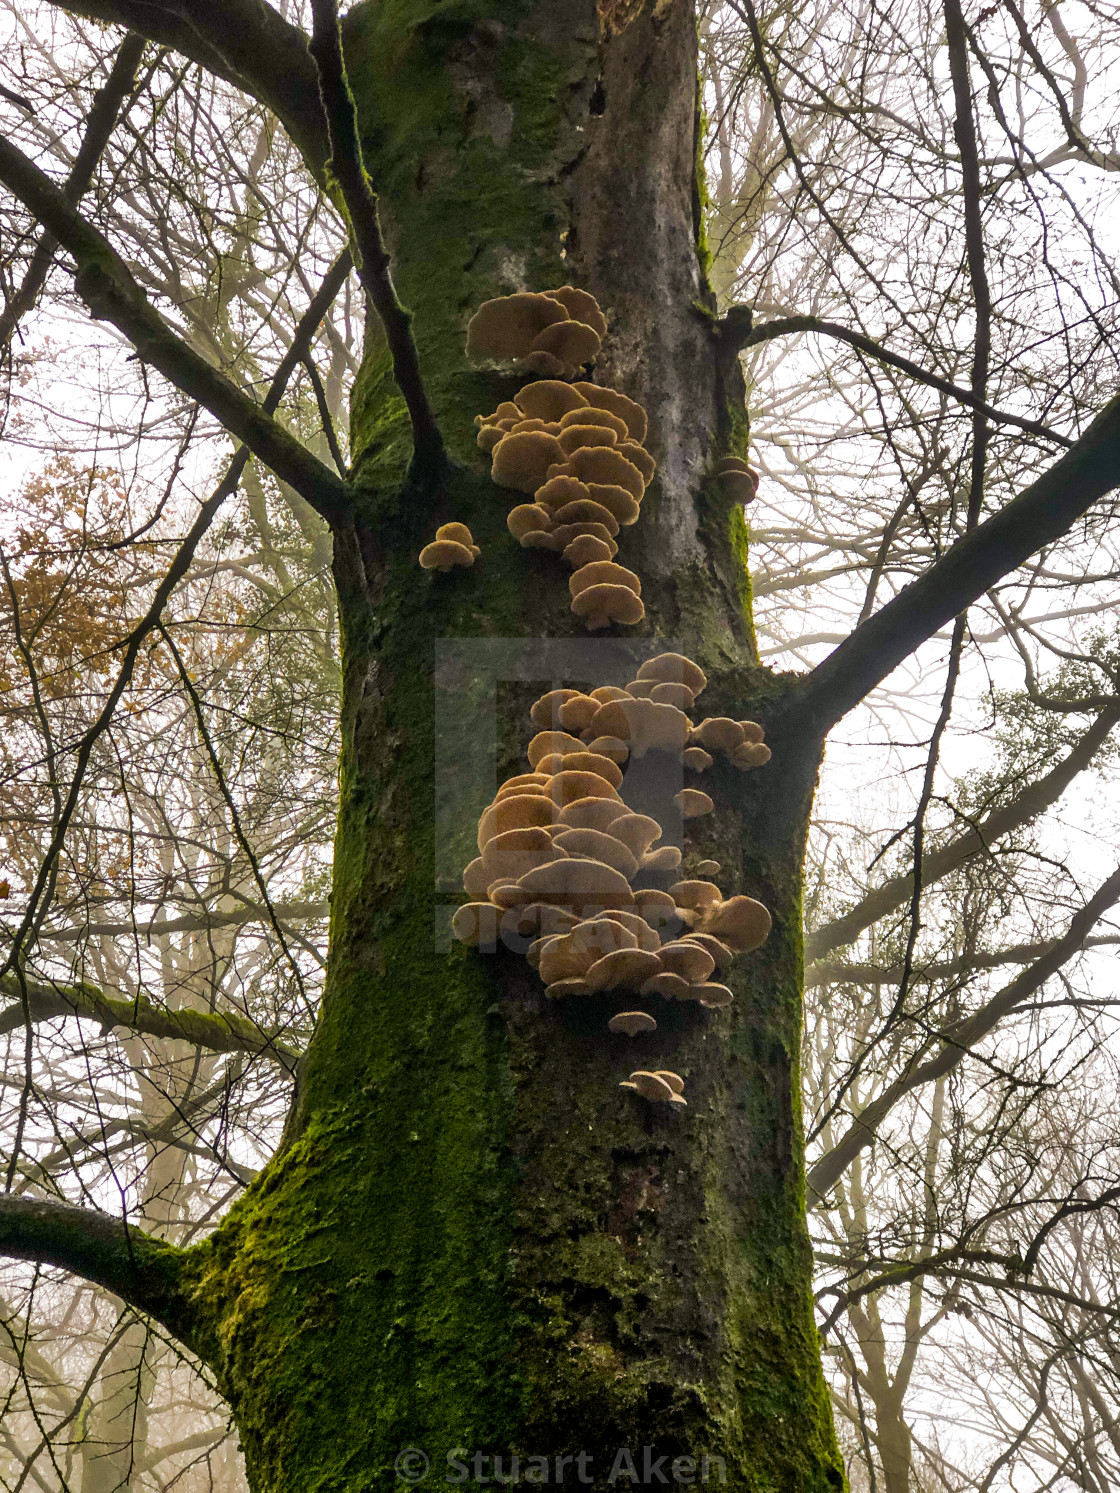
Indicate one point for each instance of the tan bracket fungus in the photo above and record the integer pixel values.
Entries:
(452, 546)
(560, 849)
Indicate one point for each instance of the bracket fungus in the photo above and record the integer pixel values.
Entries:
(452, 546)
(569, 867)
(632, 1023)
(737, 479)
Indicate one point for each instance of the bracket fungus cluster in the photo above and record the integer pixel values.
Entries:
(550, 333)
(574, 449)
(566, 862)
(453, 545)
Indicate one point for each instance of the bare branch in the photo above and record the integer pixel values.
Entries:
(1036, 797)
(216, 1031)
(144, 1272)
(105, 284)
(1044, 512)
(958, 1040)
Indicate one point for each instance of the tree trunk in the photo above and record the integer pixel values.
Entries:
(472, 1238)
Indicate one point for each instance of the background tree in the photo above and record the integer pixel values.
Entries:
(463, 1227)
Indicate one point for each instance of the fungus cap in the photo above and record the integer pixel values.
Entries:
(674, 668)
(585, 548)
(578, 884)
(603, 418)
(657, 908)
(618, 404)
(739, 486)
(598, 936)
(524, 780)
(584, 761)
(650, 1086)
(644, 724)
(507, 326)
(445, 554)
(599, 606)
(696, 894)
(631, 1023)
(638, 831)
(752, 731)
(741, 923)
(641, 459)
(572, 986)
(567, 786)
(580, 305)
(560, 490)
(640, 689)
(489, 435)
(546, 711)
(697, 759)
(538, 539)
(603, 573)
(671, 986)
(547, 399)
(585, 511)
(665, 858)
(616, 500)
(582, 437)
(539, 918)
(571, 343)
(521, 461)
(515, 851)
(546, 742)
(604, 693)
(693, 803)
(516, 811)
(719, 734)
(713, 997)
(604, 465)
(476, 923)
(609, 746)
(719, 951)
(707, 868)
(751, 754)
(550, 427)
(625, 969)
(592, 813)
(647, 938)
(475, 879)
(458, 534)
(576, 711)
(527, 518)
(563, 535)
(674, 1080)
(600, 846)
(668, 693)
(689, 960)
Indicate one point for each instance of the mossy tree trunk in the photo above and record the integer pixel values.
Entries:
(472, 1239)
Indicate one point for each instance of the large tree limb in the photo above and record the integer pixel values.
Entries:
(105, 284)
(202, 922)
(958, 1040)
(839, 973)
(1046, 511)
(216, 1031)
(246, 42)
(142, 1271)
(100, 123)
(1033, 800)
(347, 167)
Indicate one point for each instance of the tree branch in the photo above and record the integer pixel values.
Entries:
(1033, 800)
(839, 973)
(105, 284)
(959, 1040)
(1048, 508)
(246, 42)
(142, 1271)
(347, 167)
(100, 123)
(189, 923)
(784, 326)
(217, 1031)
